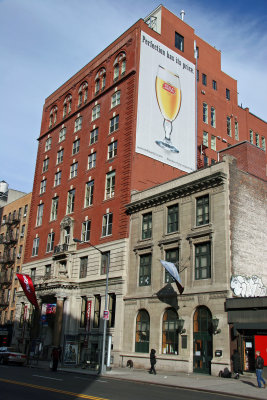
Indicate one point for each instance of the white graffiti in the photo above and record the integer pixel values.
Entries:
(248, 286)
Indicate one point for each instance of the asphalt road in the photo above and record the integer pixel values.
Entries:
(22, 383)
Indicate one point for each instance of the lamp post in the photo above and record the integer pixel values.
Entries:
(102, 365)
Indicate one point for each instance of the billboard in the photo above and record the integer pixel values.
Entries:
(166, 106)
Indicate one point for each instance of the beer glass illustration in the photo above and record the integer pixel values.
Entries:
(168, 92)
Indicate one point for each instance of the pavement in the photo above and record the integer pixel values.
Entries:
(245, 387)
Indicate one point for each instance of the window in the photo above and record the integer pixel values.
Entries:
(86, 228)
(96, 320)
(172, 218)
(67, 105)
(179, 41)
(236, 131)
(53, 116)
(107, 224)
(227, 93)
(119, 65)
(213, 117)
(70, 201)
(83, 93)
(169, 332)
(83, 267)
(206, 161)
(229, 127)
(40, 211)
(22, 231)
(251, 136)
(97, 86)
(142, 332)
(96, 112)
(205, 113)
(206, 139)
(112, 309)
(60, 154)
(202, 210)
(48, 144)
(204, 79)
(214, 85)
(263, 145)
(145, 270)
(43, 186)
(112, 149)
(202, 261)
(89, 193)
(114, 124)
(91, 161)
(62, 135)
(20, 251)
(213, 143)
(110, 185)
(33, 274)
(171, 255)
(78, 124)
(57, 179)
(257, 139)
(45, 164)
(100, 80)
(94, 136)
(25, 210)
(54, 208)
(35, 247)
(48, 271)
(116, 99)
(197, 75)
(73, 170)
(50, 242)
(116, 72)
(83, 313)
(105, 257)
(147, 225)
(76, 146)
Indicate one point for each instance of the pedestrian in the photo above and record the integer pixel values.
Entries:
(236, 364)
(55, 355)
(152, 361)
(259, 369)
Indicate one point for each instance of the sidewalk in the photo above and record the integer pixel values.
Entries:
(245, 387)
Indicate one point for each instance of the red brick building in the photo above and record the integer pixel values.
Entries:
(90, 160)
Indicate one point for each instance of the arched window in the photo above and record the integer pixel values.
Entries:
(67, 105)
(202, 320)
(83, 93)
(169, 332)
(100, 80)
(119, 65)
(142, 332)
(53, 116)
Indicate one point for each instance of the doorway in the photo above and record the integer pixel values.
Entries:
(202, 350)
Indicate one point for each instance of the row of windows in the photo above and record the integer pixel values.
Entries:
(14, 215)
(213, 84)
(257, 140)
(206, 115)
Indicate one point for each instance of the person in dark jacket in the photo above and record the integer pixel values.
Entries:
(259, 368)
(152, 361)
(236, 364)
(56, 355)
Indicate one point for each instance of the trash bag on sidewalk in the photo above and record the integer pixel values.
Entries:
(225, 373)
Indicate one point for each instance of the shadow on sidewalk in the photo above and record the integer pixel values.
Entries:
(249, 383)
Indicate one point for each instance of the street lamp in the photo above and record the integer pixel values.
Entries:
(102, 365)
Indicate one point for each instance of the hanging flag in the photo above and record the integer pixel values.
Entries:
(28, 288)
(171, 268)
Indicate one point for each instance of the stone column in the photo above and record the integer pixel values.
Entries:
(58, 321)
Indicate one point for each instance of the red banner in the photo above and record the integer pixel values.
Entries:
(88, 314)
(28, 288)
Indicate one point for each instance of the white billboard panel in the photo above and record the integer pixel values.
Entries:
(166, 106)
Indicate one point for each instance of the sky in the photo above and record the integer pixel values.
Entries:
(44, 42)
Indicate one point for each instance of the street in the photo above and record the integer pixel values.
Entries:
(30, 383)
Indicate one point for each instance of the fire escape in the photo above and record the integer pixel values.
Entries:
(8, 257)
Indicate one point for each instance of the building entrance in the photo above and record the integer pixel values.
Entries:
(202, 350)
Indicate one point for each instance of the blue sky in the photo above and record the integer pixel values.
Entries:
(44, 42)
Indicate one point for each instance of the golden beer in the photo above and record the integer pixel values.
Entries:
(169, 99)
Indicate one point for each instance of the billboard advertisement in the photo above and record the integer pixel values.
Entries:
(166, 106)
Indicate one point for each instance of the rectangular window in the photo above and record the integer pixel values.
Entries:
(236, 131)
(76, 146)
(112, 149)
(33, 274)
(89, 193)
(83, 313)
(107, 224)
(22, 231)
(45, 164)
(110, 185)
(214, 85)
(197, 75)
(54, 208)
(25, 210)
(204, 79)
(227, 93)
(96, 320)
(147, 225)
(62, 135)
(213, 143)
(94, 136)
(112, 309)
(116, 99)
(202, 210)
(60, 156)
(78, 124)
(173, 218)
(70, 201)
(86, 228)
(35, 247)
(172, 256)
(40, 211)
(263, 145)
(114, 124)
(43, 186)
(48, 144)
(257, 139)
(145, 270)
(205, 113)
(179, 41)
(229, 126)
(206, 139)
(96, 112)
(213, 117)
(73, 170)
(83, 267)
(251, 136)
(57, 179)
(91, 161)
(50, 242)
(202, 261)
(105, 257)
(48, 271)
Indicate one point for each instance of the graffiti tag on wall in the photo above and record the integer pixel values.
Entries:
(248, 286)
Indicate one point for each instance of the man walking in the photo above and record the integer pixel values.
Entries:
(259, 369)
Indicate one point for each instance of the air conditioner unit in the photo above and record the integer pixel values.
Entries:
(19, 256)
(22, 235)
